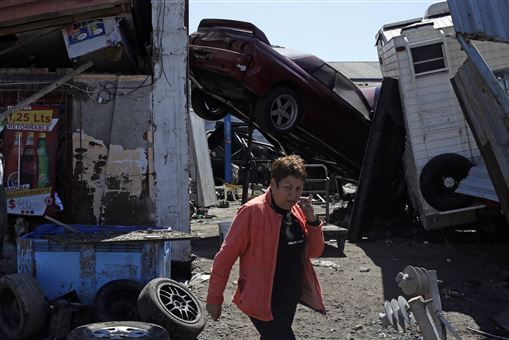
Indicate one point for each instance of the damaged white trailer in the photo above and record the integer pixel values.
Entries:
(446, 177)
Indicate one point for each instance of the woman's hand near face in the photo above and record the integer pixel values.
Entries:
(306, 206)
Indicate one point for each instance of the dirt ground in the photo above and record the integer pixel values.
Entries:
(472, 271)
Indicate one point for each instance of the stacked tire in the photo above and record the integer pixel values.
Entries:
(172, 305)
(119, 330)
(163, 309)
(23, 308)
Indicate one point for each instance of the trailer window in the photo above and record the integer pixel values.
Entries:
(503, 79)
(429, 58)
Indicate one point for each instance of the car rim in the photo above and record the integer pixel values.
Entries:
(214, 106)
(284, 111)
(179, 303)
(120, 331)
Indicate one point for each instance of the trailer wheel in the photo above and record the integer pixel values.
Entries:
(23, 309)
(207, 107)
(119, 330)
(440, 178)
(172, 305)
(117, 301)
(280, 110)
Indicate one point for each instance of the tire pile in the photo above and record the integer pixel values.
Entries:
(163, 309)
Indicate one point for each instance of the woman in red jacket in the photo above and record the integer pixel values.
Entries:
(274, 235)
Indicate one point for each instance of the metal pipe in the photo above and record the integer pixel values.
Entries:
(227, 149)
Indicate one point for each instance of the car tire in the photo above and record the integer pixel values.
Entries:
(119, 330)
(280, 110)
(172, 305)
(23, 308)
(207, 107)
(117, 300)
(440, 178)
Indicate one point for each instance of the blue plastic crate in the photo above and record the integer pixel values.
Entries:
(85, 268)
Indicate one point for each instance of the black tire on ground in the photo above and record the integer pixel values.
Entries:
(172, 305)
(23, 308)
(280, 110)
(440, 178)
(119, 330)
(117, 301)
(207, 107)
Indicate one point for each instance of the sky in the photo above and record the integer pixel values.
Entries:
(334, 30)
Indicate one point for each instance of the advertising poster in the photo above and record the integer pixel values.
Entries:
(88, 36)
(84, 31)
(30, 140)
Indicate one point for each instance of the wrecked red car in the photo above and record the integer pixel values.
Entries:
(296, 98)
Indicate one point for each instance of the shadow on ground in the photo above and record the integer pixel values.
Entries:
(471, 267)
(205, 247)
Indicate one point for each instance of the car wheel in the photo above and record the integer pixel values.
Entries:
(172, 305)
(23, 309)
(440, 178)
(117, 301)
(280, 110)
(207, 107)
(119, 330)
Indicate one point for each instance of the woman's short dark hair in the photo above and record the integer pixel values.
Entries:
(286, 166)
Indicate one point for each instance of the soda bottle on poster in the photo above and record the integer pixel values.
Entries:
(42, 156)
(12, 167)
(29, 162)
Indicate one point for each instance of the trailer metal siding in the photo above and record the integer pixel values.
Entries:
(481, 19)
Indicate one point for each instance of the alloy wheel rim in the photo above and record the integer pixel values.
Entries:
(179, 303)
(284, 111)
(120, 331)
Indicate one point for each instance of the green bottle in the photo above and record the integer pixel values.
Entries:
(42, 155)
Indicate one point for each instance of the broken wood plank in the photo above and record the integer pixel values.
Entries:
(41, 93)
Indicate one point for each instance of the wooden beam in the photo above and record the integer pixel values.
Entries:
(486, 109)
(41, 23)
(11, 3)
(57, 83)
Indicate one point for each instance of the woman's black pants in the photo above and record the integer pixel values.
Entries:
(280, 328)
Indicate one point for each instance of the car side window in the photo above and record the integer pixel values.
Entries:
(325, 74)
(345, 89)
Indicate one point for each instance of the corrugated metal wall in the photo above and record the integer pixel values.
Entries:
(481, 19)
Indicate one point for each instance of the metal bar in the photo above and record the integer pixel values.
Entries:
(427, 327)
(327, 199)
(325, 191)
(66, 226)
(39, 94)
(444, 321)
(227, 149)
(245, 185)
(434, 294)
(487, 334)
